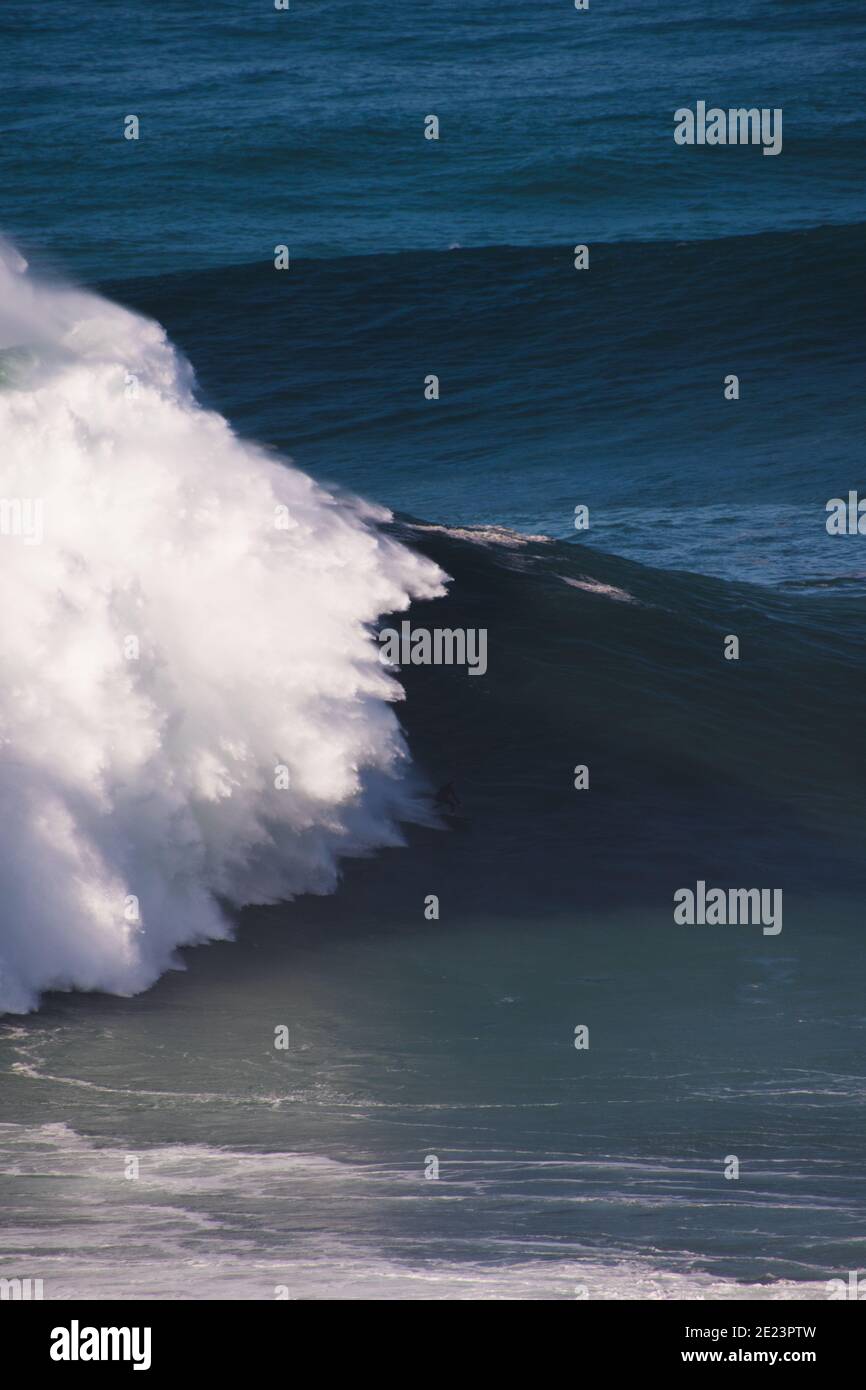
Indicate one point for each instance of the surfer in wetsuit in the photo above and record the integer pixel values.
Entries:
(446, 798)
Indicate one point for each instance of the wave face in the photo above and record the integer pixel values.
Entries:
(184, 616)
(749, 767)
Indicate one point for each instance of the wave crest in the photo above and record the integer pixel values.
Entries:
(184, 614)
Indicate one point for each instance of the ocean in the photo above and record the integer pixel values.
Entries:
(241, 1056)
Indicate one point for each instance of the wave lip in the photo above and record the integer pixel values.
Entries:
(192, 708)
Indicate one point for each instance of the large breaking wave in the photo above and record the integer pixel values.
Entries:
(184, 614)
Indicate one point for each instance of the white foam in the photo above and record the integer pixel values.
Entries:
(205, 1222)
(155, 777)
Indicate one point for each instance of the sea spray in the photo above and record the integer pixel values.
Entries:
(195, 614)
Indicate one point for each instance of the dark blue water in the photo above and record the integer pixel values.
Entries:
(306, 127)
(558, 388)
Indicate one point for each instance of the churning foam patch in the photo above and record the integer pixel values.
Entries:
(173, 1234)
(190, 614)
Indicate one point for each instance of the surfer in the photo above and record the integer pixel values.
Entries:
(446, 798)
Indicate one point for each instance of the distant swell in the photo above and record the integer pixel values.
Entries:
(149, 778)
